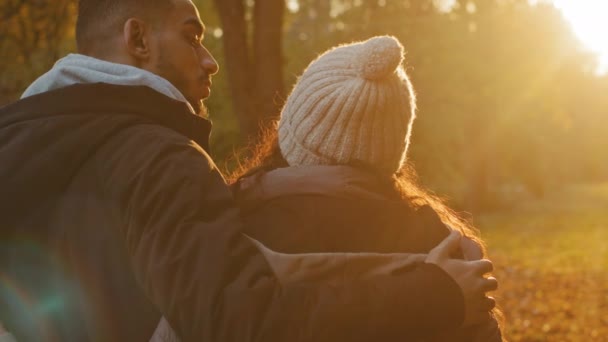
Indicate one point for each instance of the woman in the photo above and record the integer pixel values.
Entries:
(333, 177)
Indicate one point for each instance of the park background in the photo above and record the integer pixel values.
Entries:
(512, 128)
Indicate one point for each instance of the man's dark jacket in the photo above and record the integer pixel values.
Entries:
(113, 214)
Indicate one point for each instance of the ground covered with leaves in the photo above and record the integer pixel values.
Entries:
(551, 258)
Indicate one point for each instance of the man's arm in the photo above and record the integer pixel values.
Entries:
(183, 233)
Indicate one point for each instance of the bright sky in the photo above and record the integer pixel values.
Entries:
(589, 20)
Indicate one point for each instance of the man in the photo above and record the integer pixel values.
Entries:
(114, 215)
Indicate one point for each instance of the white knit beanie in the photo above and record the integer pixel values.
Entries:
(353, 105)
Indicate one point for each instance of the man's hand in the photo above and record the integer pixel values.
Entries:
(469, 275)
(2, 329)
(470, 249)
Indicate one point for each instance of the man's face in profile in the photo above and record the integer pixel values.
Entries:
(179, 55)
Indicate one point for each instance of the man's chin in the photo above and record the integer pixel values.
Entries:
(199, 108)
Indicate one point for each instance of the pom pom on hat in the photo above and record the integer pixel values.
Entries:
(353, 105)
(379, 57)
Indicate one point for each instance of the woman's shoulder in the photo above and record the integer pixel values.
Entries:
(318, 180)
(342, 204)
(331, 186)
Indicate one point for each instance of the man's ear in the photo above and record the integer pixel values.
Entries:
(135, 34)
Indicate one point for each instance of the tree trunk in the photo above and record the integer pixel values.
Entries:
(256, 79)
(236, 50)
(478, 198)
(268, 62)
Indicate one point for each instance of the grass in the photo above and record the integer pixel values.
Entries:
(551, 259)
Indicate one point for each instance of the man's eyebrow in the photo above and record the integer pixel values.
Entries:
(197, 23)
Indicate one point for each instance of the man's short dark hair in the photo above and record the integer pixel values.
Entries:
(99, 20)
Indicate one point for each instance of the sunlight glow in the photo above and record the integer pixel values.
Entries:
(445, 5)
(589, 21)
(293, 6)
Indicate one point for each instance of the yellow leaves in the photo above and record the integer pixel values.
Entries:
(564, 305)
(551, 260)
(32, 36)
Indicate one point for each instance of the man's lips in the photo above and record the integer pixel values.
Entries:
(206, 87)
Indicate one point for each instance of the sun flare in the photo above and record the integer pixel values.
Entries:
(589, 20)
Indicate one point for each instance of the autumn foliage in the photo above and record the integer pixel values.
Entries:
(551, 258)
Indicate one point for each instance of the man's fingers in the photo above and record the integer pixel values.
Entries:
(488, 303)
(490, 284)
(470, 249)
(483, 266)
(447, 246)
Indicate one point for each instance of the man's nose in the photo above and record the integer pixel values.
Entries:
(209, 63)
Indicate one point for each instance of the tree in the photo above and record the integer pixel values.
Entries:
(499, 88)
(33, 35)
(254, 60)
